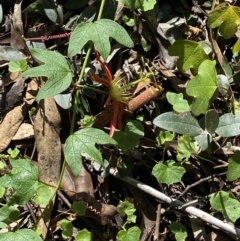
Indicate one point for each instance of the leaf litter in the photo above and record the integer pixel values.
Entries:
(178, 47)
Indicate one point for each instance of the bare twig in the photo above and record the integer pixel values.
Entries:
(209, 219)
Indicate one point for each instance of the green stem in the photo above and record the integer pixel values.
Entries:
(101, 9)
(73, 117)
(92, 88)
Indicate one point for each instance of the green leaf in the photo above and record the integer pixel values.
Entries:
(164, 137)
(79, 208)
(145, 5)
(202, 87)
(203, 140)
(229, 206)
(20, 235)
(99, 32)
(168, 172)
(83, 142)
(211, 121)
(83, 235)
(127, 208)
(186, 147)
(9, 214)
(53, 10)
(223, 84)
(186, 125)
(233, 171)
(179, 231)
(177, 101)
(67, 228)
(227, 18)
(43, 194)
(13, 153)
(23, 178)
(228, 125)
(236, 47)
(15, 66)
(55, 68)
(191, 55)
(129, 138)
(132, 234)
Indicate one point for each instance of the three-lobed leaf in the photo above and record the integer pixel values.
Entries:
(227, 18)
(191, 55)
(55, 68)
(99, 33)
(202, 87)
(83, 142)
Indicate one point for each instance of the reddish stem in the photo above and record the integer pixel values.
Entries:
(114, 117)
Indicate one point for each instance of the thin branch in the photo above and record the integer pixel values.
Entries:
(209, 219)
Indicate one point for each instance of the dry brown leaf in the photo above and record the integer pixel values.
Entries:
(47, 129)
(14, 118)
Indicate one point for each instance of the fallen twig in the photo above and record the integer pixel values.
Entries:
(209, 219)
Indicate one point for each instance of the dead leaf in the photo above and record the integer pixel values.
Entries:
(47, 129)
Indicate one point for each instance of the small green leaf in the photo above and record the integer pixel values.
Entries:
(67, 228)
(203, 140)
(236, 47)
(233, 171)
(191, 55)
(55, 68)
(21, 234)
(164, 137)
(83, 235)
(127, 208)
(13, 153)
(168, 172)
(211, 121)
(83, 142)
(132, 234)
(129, 138)
(186, 125)
(53, 10)
(79, 208)
(145, 5)
(186, 147)
(228, 125)
(227, 18)
(202, 87)
(9, 214)
(177, 101)
(223, 84)
(229, 206)
(43, 194)
(24, 180)
(179, 231)
(99, 32)
(15, 66)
